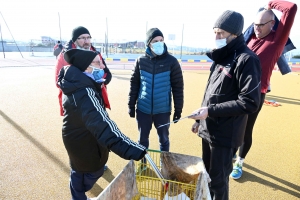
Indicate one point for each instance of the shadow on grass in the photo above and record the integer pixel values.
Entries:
(107, 174)
(37, 144)
(253, 178)
(283, 99)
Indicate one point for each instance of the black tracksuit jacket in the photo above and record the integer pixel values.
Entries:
(88, 133)
(232, 92)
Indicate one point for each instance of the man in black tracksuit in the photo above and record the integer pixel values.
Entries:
(88, 133)
(232, 92)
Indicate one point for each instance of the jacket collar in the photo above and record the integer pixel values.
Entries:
(71, 79)
(218, 55)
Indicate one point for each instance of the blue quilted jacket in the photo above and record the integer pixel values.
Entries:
(153, 83)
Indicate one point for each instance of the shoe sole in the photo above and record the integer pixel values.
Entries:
(235, 178)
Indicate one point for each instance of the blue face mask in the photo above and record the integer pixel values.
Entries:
(158, 48)
(97, 73)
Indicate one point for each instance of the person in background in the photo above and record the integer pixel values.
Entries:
(58, 47)
(81, 39)
(268, 45)
(232, 92)
(88, 133)
(156, 77)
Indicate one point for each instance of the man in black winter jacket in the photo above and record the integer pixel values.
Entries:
(88, 133)
(232, 92)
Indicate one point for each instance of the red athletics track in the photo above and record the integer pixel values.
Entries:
(185, 65)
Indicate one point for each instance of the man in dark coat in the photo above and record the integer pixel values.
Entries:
(232, 92)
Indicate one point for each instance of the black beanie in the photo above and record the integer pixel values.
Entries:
(79, 31)
(230, 21)
(152, 33)
(80, 58)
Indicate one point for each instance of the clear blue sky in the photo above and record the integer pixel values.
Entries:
(127, 19)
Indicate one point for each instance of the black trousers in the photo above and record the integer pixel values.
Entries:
(218, 163)
(245, 148)
(145, 122)
(83, 182)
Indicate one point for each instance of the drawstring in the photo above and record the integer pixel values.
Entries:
(234, 56)
(74, 100)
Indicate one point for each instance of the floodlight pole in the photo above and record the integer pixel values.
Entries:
(173, 48)
(146, 26)
(11, 34)
(106, 39)
(181, 41)
(59, 28)
(2, 42)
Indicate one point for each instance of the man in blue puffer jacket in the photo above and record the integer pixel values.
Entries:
(157, 77)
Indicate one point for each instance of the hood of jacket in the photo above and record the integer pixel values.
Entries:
(71, 79)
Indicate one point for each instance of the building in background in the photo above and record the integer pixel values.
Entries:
(46, 40)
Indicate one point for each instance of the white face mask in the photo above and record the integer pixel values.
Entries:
(78, 47)
(220, 43)
(158, 48)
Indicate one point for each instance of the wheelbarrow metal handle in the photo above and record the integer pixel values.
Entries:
(155, 169)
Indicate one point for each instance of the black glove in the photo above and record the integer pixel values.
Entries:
(176, 116)
(131, 112)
